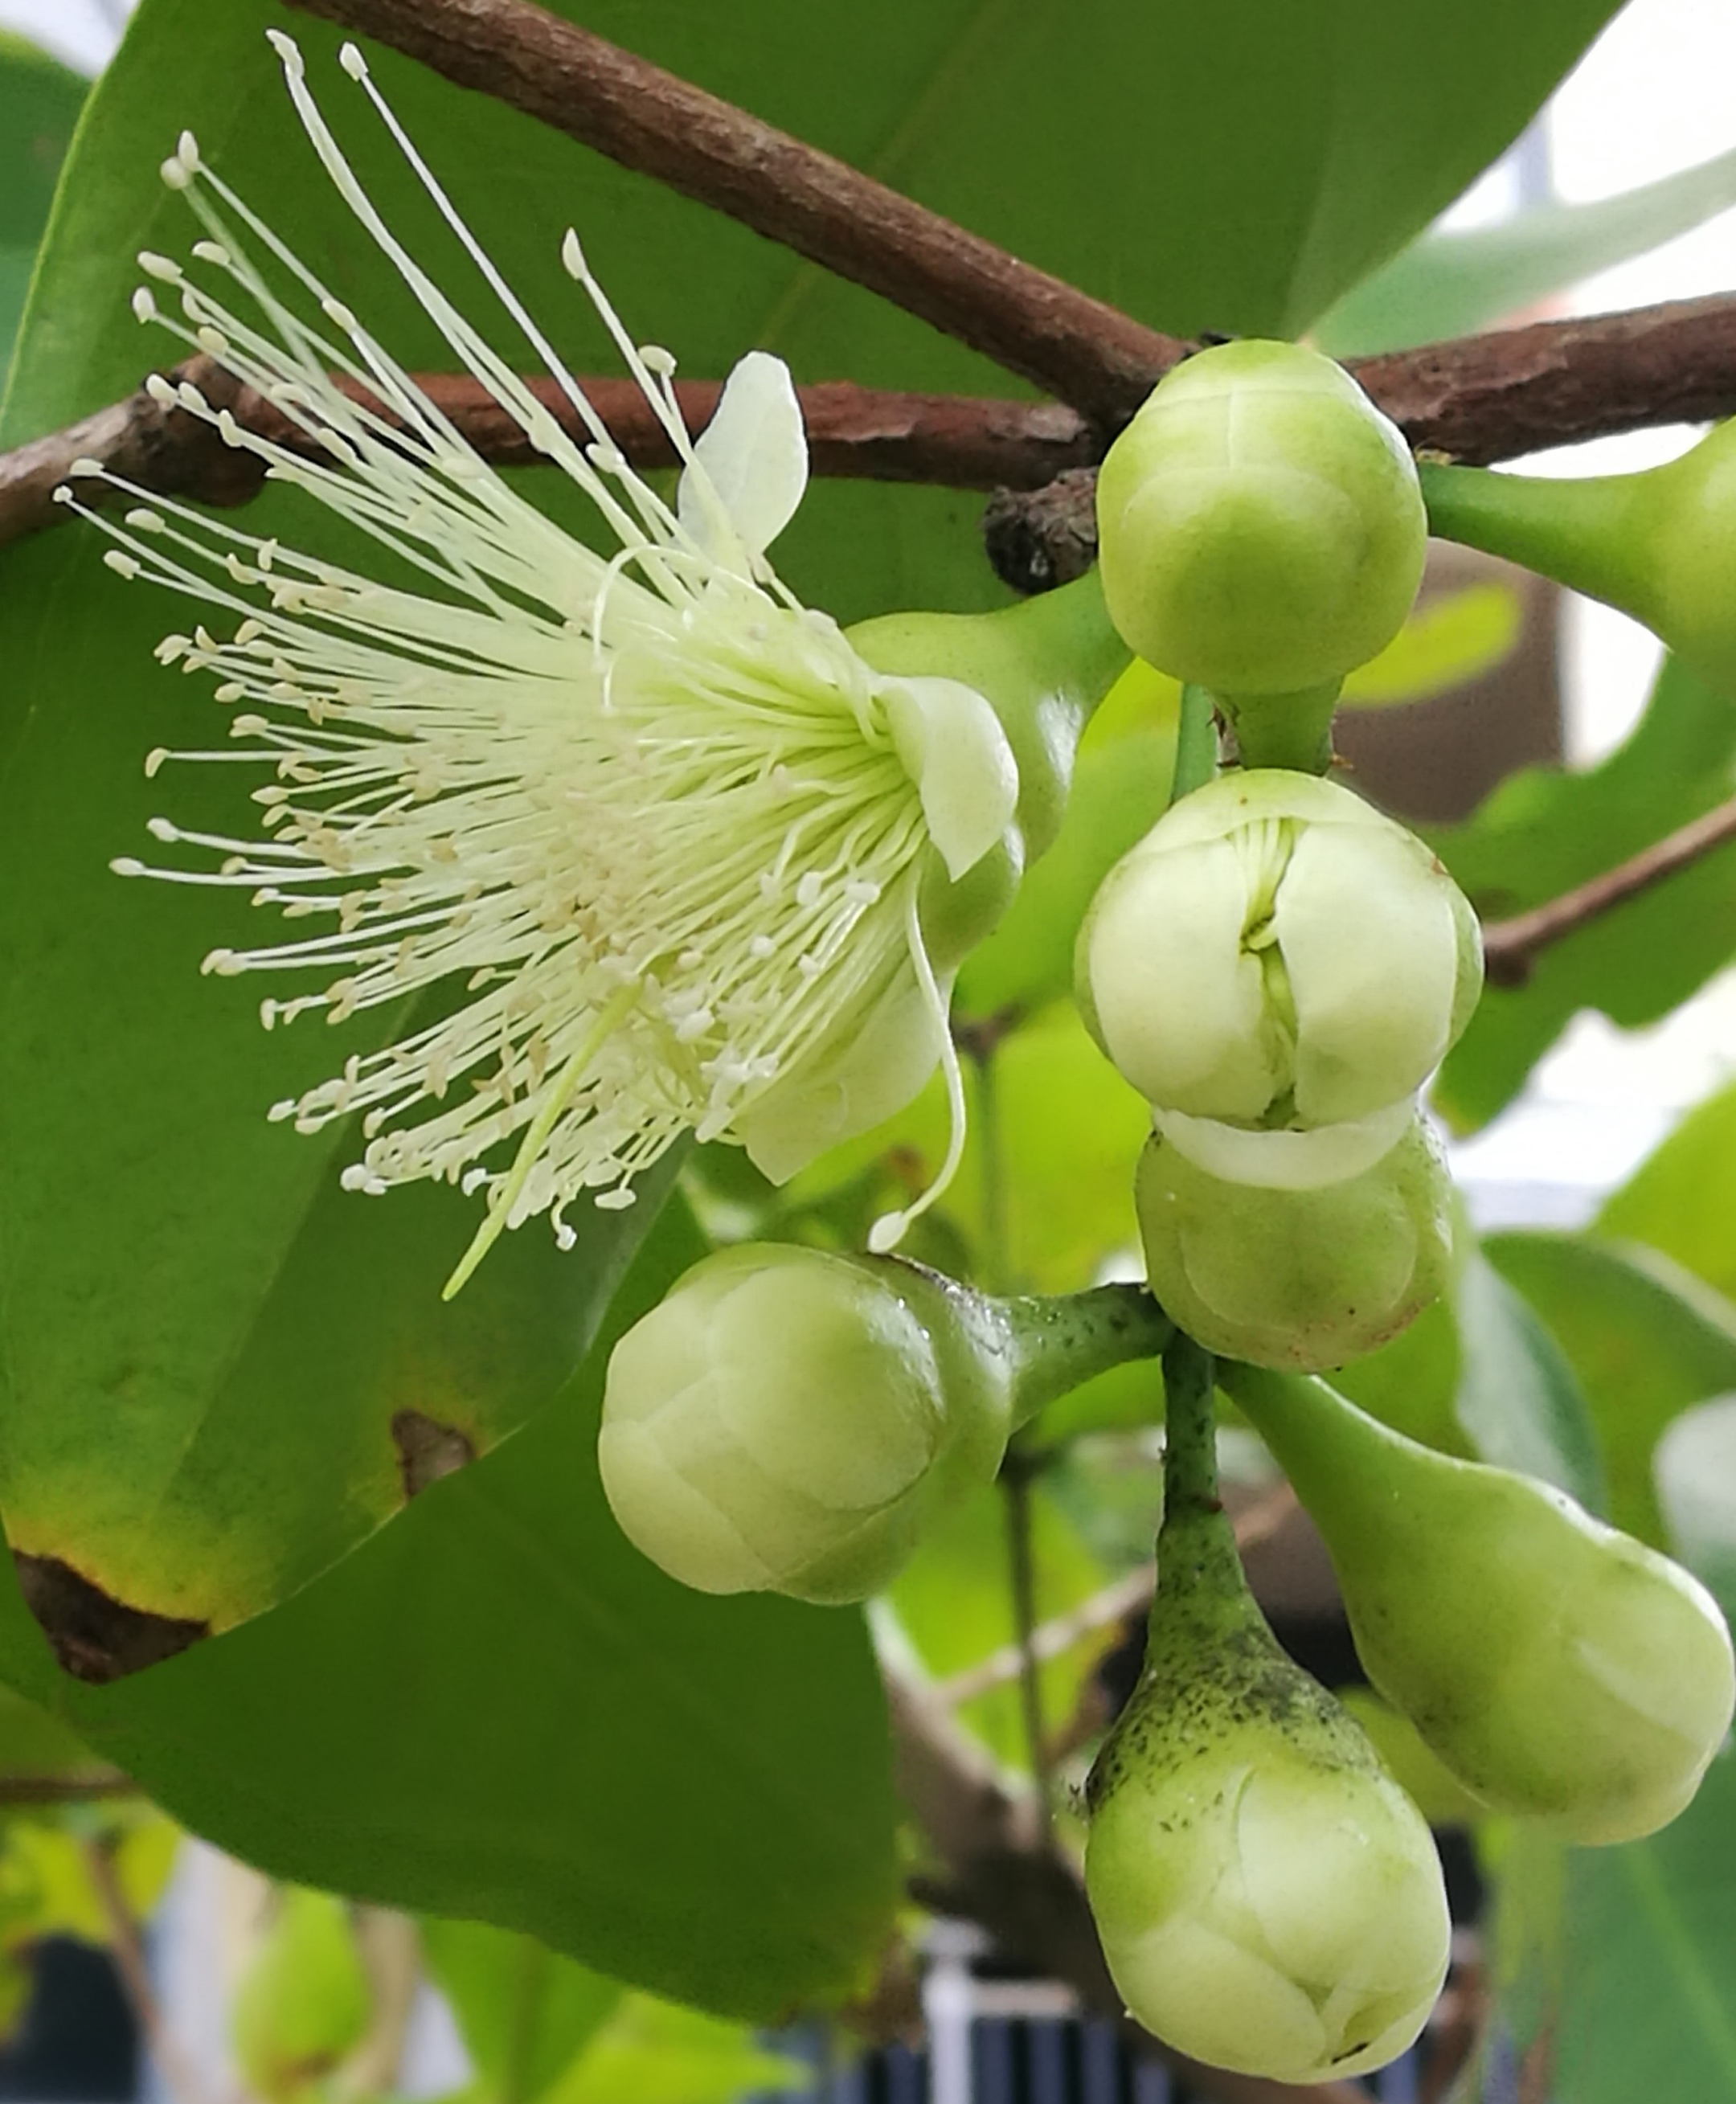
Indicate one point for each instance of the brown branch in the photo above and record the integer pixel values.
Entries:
(994, 1867)
(1511, 947)
(955, 441)
(127, 1948)
(1512, 391)
(1069, 344)
(67, 1789)
(1477, 399)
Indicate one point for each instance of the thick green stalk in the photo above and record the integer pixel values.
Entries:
(1196, 743)
(1578, 532)
(1058, 1342)
(1201, 1590)
(1292, 731)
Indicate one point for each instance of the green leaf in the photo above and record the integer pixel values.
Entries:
(1451, 638)
(1678, 1201)
(655, 2053)
(1069, 1130)
(39, 105)
(954, 1601)
(303, 2002)
(1518, 1398)
(1645, 1340)
(1649, 1961)
(1543, 832)
(497, 1710)
(1452, 284)
(524, 2011)
(1697, 1491)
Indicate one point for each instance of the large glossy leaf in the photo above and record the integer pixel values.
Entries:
(39, 104)
(1648, 1957)
(1518, 1399)
(498, 1709)
(523, 2011)
(1450, 284)
(1646, 1340)
(1545, 831)
(1678, 1201)
(169, 1262)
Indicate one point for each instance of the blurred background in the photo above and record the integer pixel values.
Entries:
(118, 1934)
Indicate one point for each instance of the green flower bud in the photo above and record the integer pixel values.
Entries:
(1259, 529)
(1268, 1898)
(1659, 545)
(1277, 968)
(1556, 1667)
(1300, 1279)
(787, 1420)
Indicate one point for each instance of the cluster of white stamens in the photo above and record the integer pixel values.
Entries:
(636, 829)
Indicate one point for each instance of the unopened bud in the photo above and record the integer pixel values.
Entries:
(788, 1421)
(1259, 529)
(1269, 1899)
(1274, 960)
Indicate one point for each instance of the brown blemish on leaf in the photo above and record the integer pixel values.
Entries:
(95, 1637)
(427, 1450)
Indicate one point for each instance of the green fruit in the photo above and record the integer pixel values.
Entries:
(1298, 1279)
(1268, 1898)
(1557, 1668)
(1260, 528)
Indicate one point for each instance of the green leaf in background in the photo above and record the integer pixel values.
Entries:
(1544, 831)
(1646, 1340)
(39, 105)
(953, 1600)
(1678, 1201)
(1068, 1129)
(524, 2013)
(1452, 284)
(656, 2054)
(1453, 638)
(1518, 1398)
(170, 1263)
(497, 1710)
(1695, 1471)
(1647, 1999)
(304, 2001)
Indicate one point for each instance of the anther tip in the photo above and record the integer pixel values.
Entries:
(350, 59)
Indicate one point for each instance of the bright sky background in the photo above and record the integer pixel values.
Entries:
(1653, 96)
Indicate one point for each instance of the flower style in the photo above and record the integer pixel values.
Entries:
(663, 827)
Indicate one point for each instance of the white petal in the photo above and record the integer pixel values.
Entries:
(953, 748)
(1286, 1160)
(1179, 1001)
(1366, 924)
(849, 1085)
(754, 455)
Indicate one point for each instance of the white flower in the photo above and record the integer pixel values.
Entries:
(660, 829)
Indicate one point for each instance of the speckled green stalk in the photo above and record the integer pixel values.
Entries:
(1213, 1666)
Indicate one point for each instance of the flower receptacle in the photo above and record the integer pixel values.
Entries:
(1304, 1279)
(1557, 1667)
